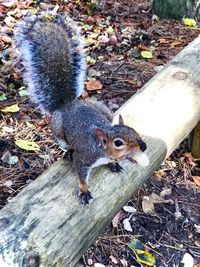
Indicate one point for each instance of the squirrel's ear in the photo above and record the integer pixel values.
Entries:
(121, 121)
(101, 135)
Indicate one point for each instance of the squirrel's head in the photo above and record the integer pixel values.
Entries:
(123, 142)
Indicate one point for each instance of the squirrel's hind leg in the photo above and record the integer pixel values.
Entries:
(83, 173)
(58, 131)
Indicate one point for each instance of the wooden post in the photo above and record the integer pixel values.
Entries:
(196, 141)
(176, 9)
(45, 225)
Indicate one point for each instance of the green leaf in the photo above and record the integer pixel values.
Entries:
(146, 54)
(27, 145)
(189, 22)
(2, 96)
(141, 254)
(135, 244)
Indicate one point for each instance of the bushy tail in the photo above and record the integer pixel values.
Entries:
(54, 59)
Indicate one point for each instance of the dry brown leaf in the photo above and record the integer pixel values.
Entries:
(147, 205)
(115, 220)
(163, 41)
(166, 191)
(196, 180)
(158, 199)
(93, 85)
(155, 198)
(175, 43)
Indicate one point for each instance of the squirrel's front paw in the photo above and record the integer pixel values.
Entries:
(85, 197)
(115, 167)
(69, 154)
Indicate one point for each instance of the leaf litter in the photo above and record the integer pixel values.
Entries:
(116, 32)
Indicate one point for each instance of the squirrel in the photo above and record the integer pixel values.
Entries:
(52, 51)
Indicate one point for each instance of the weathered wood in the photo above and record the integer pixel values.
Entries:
(196, 141)
(176, 9)
(46, 223)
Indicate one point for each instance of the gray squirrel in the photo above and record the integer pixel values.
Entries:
(52, 50)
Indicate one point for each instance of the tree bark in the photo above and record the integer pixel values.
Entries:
(176, 9)
(46, 226)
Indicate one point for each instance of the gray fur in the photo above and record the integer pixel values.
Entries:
(54, 60)
(55, 66)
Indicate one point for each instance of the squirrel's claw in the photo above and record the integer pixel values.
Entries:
(115, 167)
(69, 155)
(85, 197)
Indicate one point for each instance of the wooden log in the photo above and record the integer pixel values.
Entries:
(46, 226)
(196, 141)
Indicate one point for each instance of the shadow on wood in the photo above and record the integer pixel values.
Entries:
(46, 225)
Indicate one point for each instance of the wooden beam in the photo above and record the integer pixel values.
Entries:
(45, 225)
(196, 141)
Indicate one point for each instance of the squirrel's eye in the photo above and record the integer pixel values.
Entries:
(118, 143)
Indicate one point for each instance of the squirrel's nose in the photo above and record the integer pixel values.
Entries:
(142, 145)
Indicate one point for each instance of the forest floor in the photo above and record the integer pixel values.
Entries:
(116, 32)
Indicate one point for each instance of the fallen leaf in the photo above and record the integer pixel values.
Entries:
(187, 260)
(90, 60)
(113, 40)
(156, 198)
(7, 129)
(7, 39)
(196, 179)
(8, 183)
(9, 159)
(103, 38)
(197, 228)
(27, 145)
(189, 22)
(147, 205)
(93, 85)
(197, 242)
(6, 157)
(13, 160)
(129, 209)
(2, 96)
(115, 220)
(163, 41)
(127, 225)
(23, 92)
(13, 108)
(175, 43)
(142, 255)
(110, 29)
(146, 54)
(8, 3)
(165, 192)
